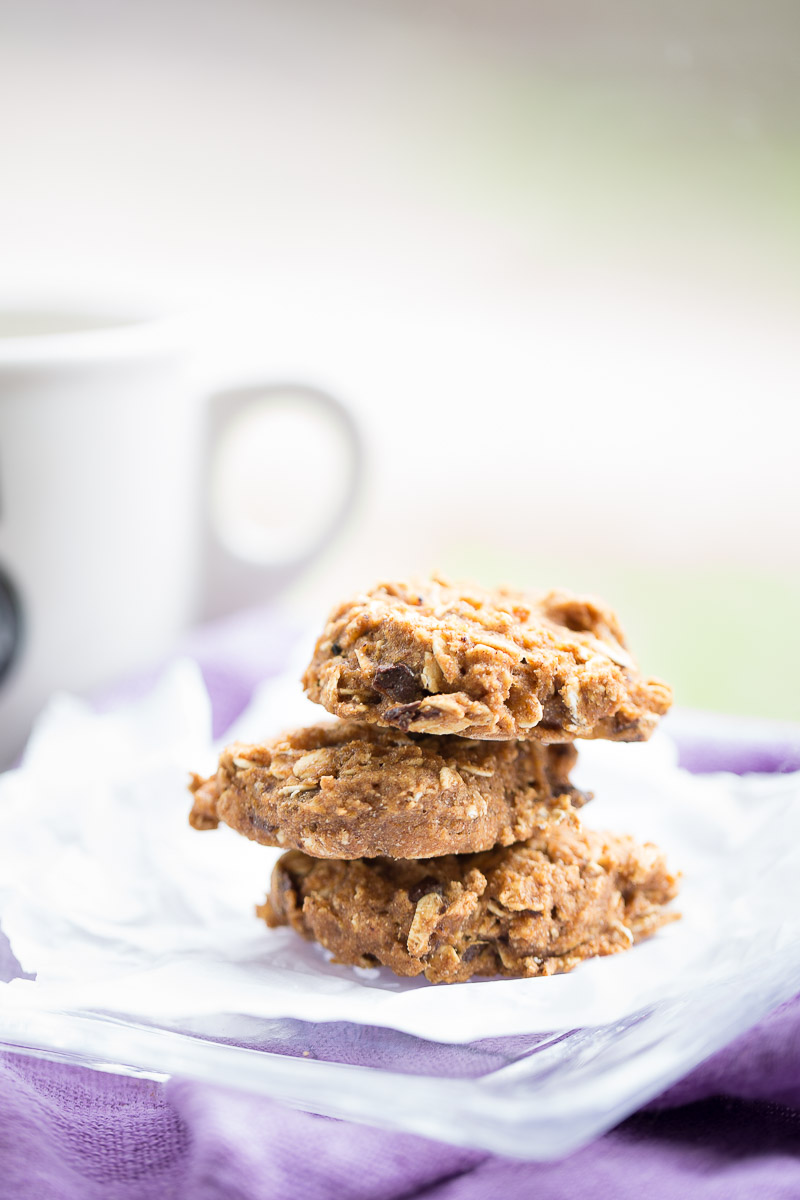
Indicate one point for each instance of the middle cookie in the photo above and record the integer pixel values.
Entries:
(350, 790)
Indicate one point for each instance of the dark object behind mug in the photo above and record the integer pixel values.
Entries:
(10, 624)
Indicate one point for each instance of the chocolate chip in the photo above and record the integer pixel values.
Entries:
(401, 715)
(258, 822)
(336, 649)
(397, 682)
(622, 724)
(424, 888)
(472, 951)
(555, 714)
(286, 883)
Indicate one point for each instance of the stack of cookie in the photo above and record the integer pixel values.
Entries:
(433, 828)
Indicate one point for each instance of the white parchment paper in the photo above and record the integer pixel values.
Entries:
(117, 905)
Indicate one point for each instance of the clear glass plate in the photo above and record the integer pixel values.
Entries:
(532, 1097)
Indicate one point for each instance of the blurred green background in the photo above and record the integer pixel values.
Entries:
(549, 254)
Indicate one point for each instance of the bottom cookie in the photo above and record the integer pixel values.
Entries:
(535, 908)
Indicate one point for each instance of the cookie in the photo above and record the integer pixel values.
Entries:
(434, 658)
(536, 908)
(349, 790)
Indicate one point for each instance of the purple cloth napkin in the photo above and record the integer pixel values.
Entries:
(730, 1129)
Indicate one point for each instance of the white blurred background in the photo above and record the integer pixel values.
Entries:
(549, 254)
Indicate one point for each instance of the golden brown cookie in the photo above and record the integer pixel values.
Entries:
(348, 790)
(537, 908)
(435, 658)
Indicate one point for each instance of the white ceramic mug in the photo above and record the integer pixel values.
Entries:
(124, 499)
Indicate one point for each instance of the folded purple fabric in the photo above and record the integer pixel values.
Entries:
(730, 1129)
(67, 1133)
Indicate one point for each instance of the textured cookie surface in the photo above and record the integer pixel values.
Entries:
(536, 908)
(349, 790)
(435, 658)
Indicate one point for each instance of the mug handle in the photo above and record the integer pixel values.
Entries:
(240, 576)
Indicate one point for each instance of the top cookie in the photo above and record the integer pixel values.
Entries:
(437, 658)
